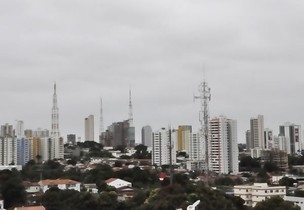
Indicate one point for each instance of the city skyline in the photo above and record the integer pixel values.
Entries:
(250, 52)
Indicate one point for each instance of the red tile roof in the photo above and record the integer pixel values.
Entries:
(58, 181)
(110, 180)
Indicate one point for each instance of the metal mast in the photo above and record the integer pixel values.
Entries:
(101, 129)
(205, 97)
(130, 110)
(55, 116)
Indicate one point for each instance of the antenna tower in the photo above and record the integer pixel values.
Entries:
(130, 110)
(101, 129)
(204, 97)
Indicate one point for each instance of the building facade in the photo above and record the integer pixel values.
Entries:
(162, 147)
(291, 138)
(223, 148)
(252, 194)
(89, 128)
(146, 135)
(71, 139)
(23, 150)
(257, 132)
(119, 134)
(183, 138)
(8, 145)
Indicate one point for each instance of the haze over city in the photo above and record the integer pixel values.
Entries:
(250, 53)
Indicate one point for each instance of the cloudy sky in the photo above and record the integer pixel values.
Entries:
(251, 53)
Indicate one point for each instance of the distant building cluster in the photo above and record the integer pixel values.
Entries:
(214, 147)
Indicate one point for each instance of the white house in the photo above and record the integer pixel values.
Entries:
(118, 183)
(252, 194)
(31, 187)
(62, 184)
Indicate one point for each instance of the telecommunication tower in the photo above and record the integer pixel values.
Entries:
(204, 97)
(101, 129)
(130, 110)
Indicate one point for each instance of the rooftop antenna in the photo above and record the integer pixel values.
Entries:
(204, 97)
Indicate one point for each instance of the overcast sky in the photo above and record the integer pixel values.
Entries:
(251, 53)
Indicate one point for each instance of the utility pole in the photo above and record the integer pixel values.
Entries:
(170, 147)
(204, 97)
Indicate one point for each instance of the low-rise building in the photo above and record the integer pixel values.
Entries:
(62, 184)
(299, 201)
(31, 188)
(252, 194)
(118, 183)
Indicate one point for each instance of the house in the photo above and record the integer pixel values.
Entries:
(118, 183)
(252, 194)
(31, 188)
(62, 184)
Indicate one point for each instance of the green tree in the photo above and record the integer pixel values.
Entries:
(270, 167)
(12, 190)
(286, 181)
(141, 152)
(247, 163)
(276, 203)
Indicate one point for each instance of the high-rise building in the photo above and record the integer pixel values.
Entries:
(223, 147)
(268, 139)
(119, 134)
(7, 130)
(183, 138)
(36, 149)
(89, 128)
(257, 132)
(47, 152)
(146, 135)
(161, 146)
(19, 131)
(41, 133)
(23, 150)
(56, 141)
(248, 140)
(28, 133)
(291, 138)
(71, 138)
(8, 146)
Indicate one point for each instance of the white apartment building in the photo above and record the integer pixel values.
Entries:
(252, 194)
(8, 150)
(197, 152)
(222, 145)
(161, 147)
